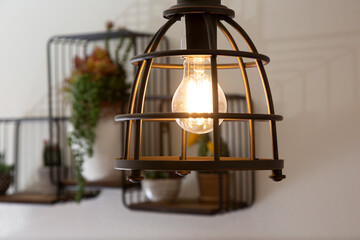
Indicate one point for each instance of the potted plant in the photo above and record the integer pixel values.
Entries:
(95, 88)
(6, 172)
(161, 186)
(209, 181)
(52, 170)
(51, 155)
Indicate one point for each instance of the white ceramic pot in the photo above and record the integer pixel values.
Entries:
(106, 149)
(161, 190)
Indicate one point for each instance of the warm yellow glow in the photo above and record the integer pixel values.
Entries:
(194, 95)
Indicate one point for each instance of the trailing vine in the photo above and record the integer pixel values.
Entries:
(95, 79)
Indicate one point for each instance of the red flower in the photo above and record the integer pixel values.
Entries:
(97, 63)
(109, 25)
(77, 62)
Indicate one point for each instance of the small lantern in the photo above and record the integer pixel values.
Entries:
(198, 105)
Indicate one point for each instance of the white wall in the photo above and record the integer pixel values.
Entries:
(314, 75)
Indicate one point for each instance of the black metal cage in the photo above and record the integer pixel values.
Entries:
(202, 18)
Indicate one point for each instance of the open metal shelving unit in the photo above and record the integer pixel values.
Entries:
(21, 141)
(21, 138)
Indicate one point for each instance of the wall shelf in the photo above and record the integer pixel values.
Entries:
(22, 138)
(237, 188)
(101, 183)
(36, 198)
(184, 206)
(62, 50)
(240, 194)
(28, 198)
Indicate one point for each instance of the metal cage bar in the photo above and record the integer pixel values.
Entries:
(246, 86)
(143, 77)
(277, 174)
(215, 98)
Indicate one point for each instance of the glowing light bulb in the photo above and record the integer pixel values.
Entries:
(194, 95)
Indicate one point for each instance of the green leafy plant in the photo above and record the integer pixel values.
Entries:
(5, 169)
(95, 80)
(51, 155)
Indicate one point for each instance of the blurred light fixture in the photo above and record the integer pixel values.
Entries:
(199, 104)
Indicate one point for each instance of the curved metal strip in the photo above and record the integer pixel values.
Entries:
(132, 99)
(242, 32)
(211, 32)
(181, 66)
(155, 44)
(199, 165)
(144, 80)
(173, 115)
(265, 82)
(208, 52)
(246, 87)
(134, 90)
(219, 66)
(134, 87)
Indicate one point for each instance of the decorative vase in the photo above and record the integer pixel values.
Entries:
(161, 190)
(100, 167)
(5, 181)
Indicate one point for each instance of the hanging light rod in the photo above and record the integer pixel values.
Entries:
(198, 105)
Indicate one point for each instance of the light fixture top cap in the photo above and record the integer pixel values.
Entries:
(198, 2)
(198, 6)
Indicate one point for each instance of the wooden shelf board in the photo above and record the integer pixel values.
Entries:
(101, 183)
(37, 198)
(179, 206)
(28, 198)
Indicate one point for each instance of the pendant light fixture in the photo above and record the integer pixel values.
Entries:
(199, 104)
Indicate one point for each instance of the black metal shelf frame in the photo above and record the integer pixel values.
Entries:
(60, 52)
(21, 140)
(54, 124)
(237, 188)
